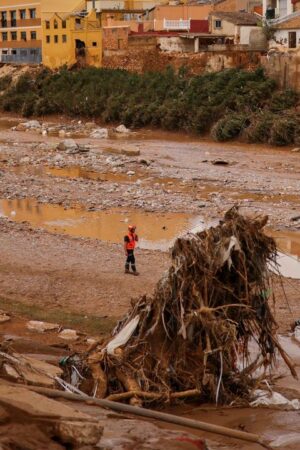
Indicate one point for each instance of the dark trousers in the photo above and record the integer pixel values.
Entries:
(130, 260)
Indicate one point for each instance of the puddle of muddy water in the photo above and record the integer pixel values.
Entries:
(157, 230)
(288, 243)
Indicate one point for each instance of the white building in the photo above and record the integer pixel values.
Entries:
(275, 9)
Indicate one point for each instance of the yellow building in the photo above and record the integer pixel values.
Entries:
(70, 35)
(20, 31)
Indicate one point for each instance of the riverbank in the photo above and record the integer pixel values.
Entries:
(229, 104)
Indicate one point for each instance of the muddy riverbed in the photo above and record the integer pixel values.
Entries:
(63, 216)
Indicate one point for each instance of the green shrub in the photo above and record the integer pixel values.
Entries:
(5, 82)
(260, 128)
(283, 131)
(229, 127)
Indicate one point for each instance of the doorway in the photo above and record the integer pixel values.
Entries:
(292, 39)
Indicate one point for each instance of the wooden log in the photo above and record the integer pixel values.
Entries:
(130, 384)
(153, 395)
(169, 418)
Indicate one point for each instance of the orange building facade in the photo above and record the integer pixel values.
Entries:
(20, 31)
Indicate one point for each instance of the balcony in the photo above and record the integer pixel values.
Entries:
(180, 25)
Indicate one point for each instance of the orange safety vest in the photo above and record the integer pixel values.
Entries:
(132, 240)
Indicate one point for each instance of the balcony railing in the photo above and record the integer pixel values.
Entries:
(177, 24)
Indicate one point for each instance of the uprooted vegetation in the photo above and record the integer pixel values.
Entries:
(229, 104)
(192, 337)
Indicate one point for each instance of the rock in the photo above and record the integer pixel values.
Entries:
(84, 148)
(44, 133)
(39, 326)
(67, 145)
(99, 133)
(25, 160)
(68, 334)
(295, 218)
(144, 162)
(296, 150)
(58, 158)
(62, 133)
(130, 173)
(220, 162)
(69, 425)
(130, 152)
(122, 129)
(20, 127)
(47, 146)
(32, 124)
(4, 318)
(90, 125)
(78, 433)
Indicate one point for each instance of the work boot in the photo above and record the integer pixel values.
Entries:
(127, 269)
(134, 271)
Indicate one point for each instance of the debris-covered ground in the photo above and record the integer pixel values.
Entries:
(66, 206)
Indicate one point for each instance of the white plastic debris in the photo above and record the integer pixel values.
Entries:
(233, 245)
(297, 334)
(123, 336)
(272, 399)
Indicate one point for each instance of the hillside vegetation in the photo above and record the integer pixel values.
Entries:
(228, 104)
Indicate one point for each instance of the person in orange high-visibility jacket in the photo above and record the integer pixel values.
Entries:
(130, 241)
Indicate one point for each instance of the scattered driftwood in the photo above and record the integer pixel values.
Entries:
(187, 340)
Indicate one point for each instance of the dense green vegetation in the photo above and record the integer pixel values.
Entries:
(229, 104)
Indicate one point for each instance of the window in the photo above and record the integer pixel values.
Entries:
(64, 24)
(218, 24)
(33, 35)
(94, 44)
(23, 36)
(22, 14)
(14, 52)
(32, 13)
(56, 39)
(55, 24)
(48, 39)
(13, 35)
(47, 24)
(4, 36)
(78, 21)
(64, 38)
(4, 19)
(13, 18)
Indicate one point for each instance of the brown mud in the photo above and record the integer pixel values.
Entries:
(64, 217)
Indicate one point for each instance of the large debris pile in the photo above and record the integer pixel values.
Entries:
(187, 338)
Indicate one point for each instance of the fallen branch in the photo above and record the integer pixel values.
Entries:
(169, 418)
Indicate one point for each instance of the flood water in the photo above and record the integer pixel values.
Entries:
(157, 230)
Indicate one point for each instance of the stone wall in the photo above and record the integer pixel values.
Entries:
(284, 67)
(115, 38)
(151, 59)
